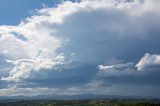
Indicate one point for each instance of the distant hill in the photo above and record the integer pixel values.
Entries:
(73, 97)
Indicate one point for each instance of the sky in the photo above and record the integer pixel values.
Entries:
(100, 47)
(12, 12)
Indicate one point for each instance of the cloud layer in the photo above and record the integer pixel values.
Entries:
(92, 46)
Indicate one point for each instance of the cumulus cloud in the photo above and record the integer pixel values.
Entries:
(24, 68)
(62, 46)
(28, 49)
(149, 62)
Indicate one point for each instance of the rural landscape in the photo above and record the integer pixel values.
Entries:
(85, 102)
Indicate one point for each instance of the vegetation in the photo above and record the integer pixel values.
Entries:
(92, 102)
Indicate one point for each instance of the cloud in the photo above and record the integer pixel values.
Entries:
(61, 47)
(33, 53)
(126, 69)
(149, 62)
(14, 91)
(24, 68)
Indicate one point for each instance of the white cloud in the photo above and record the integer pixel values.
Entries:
(149, 62)
(29, 47)
(24, 68)
(116, 70)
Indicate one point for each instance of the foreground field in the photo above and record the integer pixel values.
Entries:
(92, 102)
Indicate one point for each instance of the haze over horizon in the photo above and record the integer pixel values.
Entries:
(72, 47)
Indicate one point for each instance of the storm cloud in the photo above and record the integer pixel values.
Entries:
(92, 46)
